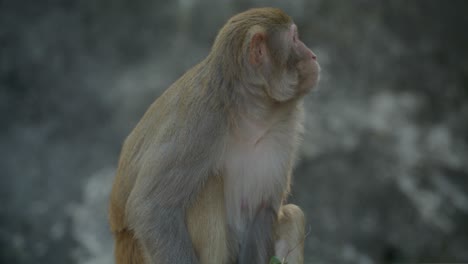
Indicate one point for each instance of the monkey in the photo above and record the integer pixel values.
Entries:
(205, 174)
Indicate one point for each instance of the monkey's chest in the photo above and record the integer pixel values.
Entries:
(256, 174)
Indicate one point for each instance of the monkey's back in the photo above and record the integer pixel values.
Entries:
(171, 118)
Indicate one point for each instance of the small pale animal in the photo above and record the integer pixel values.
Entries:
(204, 176)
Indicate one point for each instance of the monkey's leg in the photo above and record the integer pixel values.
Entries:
(257, 246)
(290, 233)
(206, 221)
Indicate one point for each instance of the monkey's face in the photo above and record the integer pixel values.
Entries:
(303, 61)
(293, 69)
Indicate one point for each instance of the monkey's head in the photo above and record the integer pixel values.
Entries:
(262, 47)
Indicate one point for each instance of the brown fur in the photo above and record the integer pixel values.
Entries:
(127, 249)
(168, 202)
(206, 223)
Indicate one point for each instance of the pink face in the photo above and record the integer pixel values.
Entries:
(304, 60)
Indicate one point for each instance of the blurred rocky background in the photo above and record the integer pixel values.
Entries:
(383, 173)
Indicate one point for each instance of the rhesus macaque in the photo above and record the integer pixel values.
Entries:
(204, 175)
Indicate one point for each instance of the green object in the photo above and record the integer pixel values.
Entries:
(276, 260)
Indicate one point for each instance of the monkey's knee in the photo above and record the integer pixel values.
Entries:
(291, 223)
(290, 233)
(291, 214)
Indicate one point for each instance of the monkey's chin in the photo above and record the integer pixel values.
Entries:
(310, 82)
(308, 86)
(310, 76)
(314, 78)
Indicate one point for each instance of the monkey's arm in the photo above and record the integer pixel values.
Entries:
(171, 168)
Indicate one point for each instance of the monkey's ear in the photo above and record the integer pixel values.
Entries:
(257, 49)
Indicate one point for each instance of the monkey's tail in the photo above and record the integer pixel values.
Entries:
(127, 248)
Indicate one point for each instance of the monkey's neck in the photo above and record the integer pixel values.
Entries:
(257, 108)
(252, 125)
(251, 131)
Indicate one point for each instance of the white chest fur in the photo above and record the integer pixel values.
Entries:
(256, 168)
